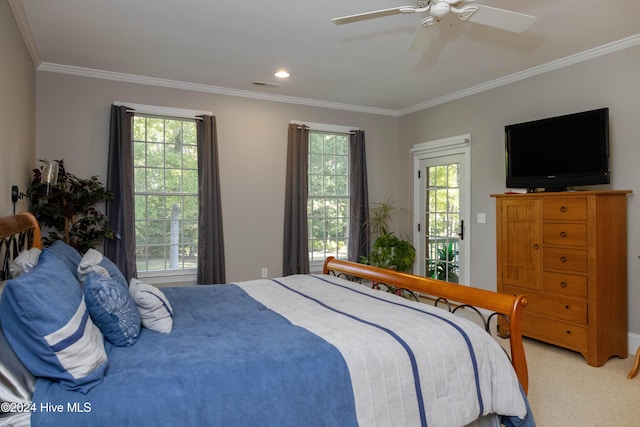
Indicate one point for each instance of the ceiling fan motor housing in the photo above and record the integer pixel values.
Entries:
(440, 9)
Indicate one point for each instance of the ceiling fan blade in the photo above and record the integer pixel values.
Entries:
(375, 14)
(421, 37)
(499, 18)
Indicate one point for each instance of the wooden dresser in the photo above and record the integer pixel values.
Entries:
(568, 253)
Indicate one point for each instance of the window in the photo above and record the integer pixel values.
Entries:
(328, 202)
(166, 193)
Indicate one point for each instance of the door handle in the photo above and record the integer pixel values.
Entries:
(461, 233)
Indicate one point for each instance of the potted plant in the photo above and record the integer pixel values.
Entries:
(388, 250)
(67, 205)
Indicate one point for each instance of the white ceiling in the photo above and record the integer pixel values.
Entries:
(224, 46)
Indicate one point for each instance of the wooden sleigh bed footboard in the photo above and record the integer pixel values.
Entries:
(505, 309)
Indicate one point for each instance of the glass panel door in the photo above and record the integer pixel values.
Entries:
(441, 218)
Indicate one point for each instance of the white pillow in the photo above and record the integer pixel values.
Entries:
(24, 262)
(94, 262)
(154, 307)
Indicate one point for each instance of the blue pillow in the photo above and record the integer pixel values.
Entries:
(45, 319)
(94, 261)
(112, 310)
(67, 254)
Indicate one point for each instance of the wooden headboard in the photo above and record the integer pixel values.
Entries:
(17, 233)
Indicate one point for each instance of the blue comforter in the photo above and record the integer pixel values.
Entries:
(227, 362)
(301, 350)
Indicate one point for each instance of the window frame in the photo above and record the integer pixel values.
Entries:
(316, 266)
(453, 146)
(166, 277)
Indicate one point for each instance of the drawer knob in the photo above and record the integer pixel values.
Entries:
(568, 332)
(563, 259)
(567, 307)
(563, 284)
(563, 209)
(563, 234)
(536, 246)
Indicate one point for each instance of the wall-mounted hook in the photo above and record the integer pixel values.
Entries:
(16, 194)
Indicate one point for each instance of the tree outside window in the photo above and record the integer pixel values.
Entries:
(166, 193)
(328, 202)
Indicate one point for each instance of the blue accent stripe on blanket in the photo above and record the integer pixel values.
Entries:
(472, 354)
(412, 357)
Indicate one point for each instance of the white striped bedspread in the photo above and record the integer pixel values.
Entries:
(410, 363)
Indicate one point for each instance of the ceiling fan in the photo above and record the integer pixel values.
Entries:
(437, 9)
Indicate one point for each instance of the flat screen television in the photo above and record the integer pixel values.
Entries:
(558, 152)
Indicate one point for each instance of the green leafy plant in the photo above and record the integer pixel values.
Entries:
(392, 252)
(445, 267)
(388, 250)
(380, 216)
(68, 208)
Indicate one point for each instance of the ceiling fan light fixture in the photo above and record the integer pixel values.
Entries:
(282, 74)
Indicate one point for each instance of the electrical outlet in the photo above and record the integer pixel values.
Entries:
(265, 272)
(482, 218)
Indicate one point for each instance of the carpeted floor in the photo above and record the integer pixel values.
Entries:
(566, 392)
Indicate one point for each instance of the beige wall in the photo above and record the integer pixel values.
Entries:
(17, 112)
(73, 124)
(609, 81)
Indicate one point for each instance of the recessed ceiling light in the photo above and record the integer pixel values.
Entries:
(282, 74)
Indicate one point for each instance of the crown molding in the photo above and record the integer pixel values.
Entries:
(23, 24)
(27, 35)
(541, 69)
(176, 84)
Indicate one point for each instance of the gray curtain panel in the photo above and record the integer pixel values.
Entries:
(120, 210)
(295, 257)
(211, 262)
(358, 190)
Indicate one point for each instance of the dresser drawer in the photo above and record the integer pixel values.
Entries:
(565, 259)
(568, 234)
(565, 209)
(559, 307)
(569, 285)
(556, 332)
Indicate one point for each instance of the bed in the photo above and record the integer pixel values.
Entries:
(319, 349)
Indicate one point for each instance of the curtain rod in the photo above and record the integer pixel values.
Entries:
(325, 127)
(162, 115)
(163, 111)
